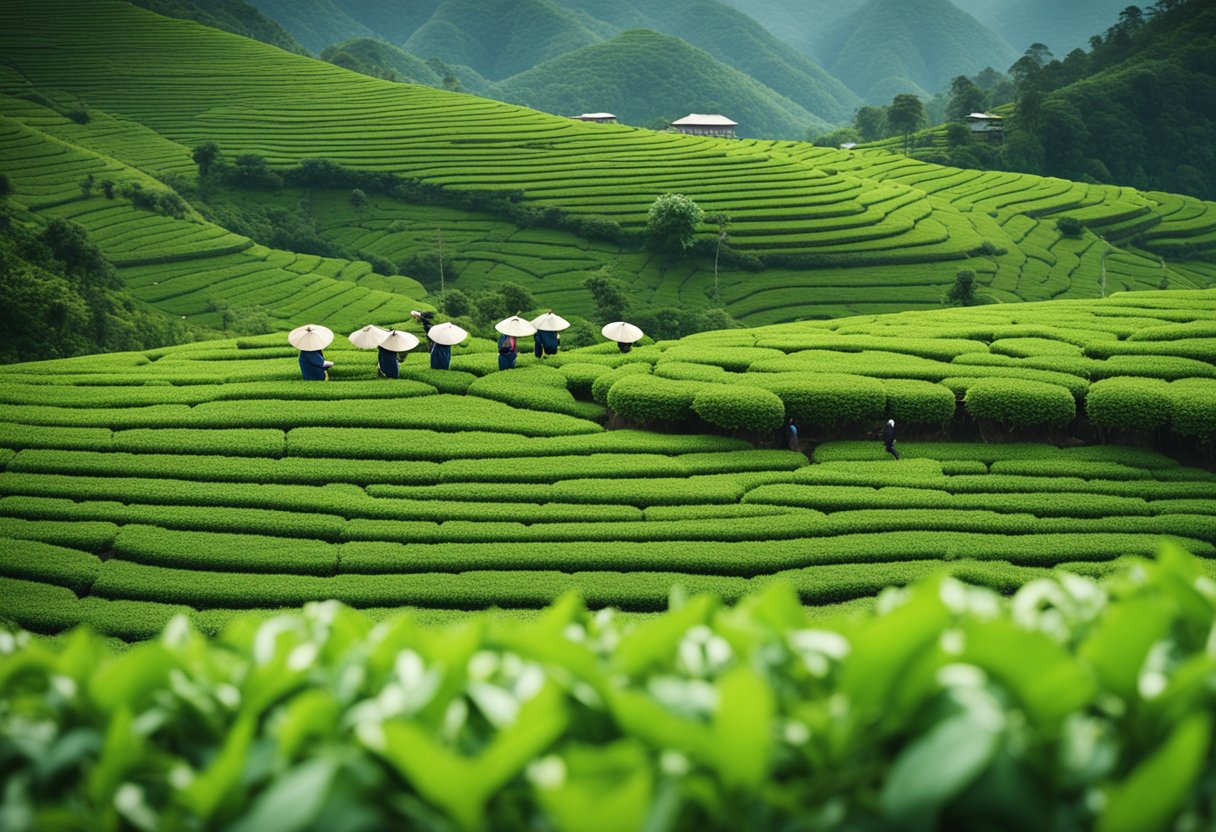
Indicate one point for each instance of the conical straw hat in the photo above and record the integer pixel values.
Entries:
(447, 334)
(310, 337)
(622, 332)
(516, 326)
(398, 341)
(550, 322)
(368, 337)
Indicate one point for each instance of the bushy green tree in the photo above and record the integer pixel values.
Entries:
(870, 123)
(610, 295)
(672, 222)
(962, 293)
(206, 155)
(906, 115)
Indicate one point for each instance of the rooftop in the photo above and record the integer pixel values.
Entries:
(704, 120)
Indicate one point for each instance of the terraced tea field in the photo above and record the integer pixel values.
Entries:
(208, 479)
(843, 233)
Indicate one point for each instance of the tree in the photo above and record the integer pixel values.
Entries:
(1070, 226)
(358, 198)
(609, 294)
(869, 122)
(515, 298)
(672, 222)
(905, 115)
(205, 156)
(962, 293)
(965, 98)
(1027, 69)
(86, 185)
(455, 303)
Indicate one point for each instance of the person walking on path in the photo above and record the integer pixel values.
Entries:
(888, 438)
(791, 435)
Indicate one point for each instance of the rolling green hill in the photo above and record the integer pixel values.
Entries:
(212, 480)
(1061, 26)
(631, 74)
(500, 38)
(888, 47)
(837, 232)
(735, 39)
(236, 16)
(381, 60)
(314, 23)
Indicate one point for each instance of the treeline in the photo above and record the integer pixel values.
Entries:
(1136, 109)
(61, 297)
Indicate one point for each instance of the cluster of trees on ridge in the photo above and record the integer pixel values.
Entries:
(1134, 110)
(62, 298)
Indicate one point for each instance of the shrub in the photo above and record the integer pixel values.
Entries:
(740, 408)
(604, 382)
(1020, 404)
(1129, 403)
(823, 401)
(584, 701)
(647, 398)
(919, 402)
(1193, 410)
(1070, 226)
(580, 377)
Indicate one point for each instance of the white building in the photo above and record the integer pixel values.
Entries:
(596, 118)
(702, 124)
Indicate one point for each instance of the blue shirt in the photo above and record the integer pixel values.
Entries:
(441, 356)
(312, 365)
(388, 363)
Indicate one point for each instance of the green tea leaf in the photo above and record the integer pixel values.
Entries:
(1153, 794)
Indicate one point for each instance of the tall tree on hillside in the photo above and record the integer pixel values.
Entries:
(672, 222)
(205, 156)
(905, 115)
(870, 122)
(1027, 69)
(965, 98)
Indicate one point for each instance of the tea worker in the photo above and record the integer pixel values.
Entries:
(310, 339)
(507, 352)
(545, 342)
(888, 438)
(392, 349)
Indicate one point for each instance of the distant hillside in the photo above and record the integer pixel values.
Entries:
(500, 38)
(1145, 116)
(796, 21)
(1061, 26)
(314, 23)
(631, 76)
(895, 46)
(737, 40)
(234, 16)
(381, 60)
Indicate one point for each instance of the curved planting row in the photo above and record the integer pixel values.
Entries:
(208, 479)
(798, 207)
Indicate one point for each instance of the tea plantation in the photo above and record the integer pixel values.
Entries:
(519, 195)
(208, 479)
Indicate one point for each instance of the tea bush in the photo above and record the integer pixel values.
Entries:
(740, 408)
(1129, 403)
(698, 714)
(1020, 404)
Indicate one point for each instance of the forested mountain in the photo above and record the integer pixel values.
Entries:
(381, 60)
(631, 74)
(500, 38)
(887, 47)
(737, 40)
(1061, 26)
(1143, 114)
(796, 22)
(234, 16)
(315, 23)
